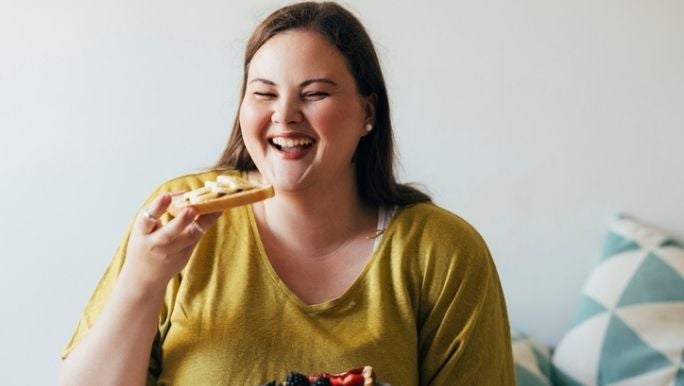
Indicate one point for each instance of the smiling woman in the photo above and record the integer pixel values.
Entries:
(343, 267)
(299, 91)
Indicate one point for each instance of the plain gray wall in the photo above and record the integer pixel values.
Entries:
(535, 120)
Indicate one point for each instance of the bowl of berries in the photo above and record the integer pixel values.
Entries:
(362, 376)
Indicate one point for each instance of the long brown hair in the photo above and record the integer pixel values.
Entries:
(374, 158)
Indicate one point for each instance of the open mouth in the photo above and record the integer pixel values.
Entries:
(291, 145)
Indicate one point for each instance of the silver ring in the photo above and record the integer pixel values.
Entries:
(148, 216)
(198, 227)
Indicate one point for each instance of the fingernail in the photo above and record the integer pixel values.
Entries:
(190, 214)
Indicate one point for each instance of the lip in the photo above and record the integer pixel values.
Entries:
(292, 153)
(291, 134)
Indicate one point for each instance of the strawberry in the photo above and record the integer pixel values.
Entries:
(353, 377)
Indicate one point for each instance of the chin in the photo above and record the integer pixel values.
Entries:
(287, 183)
(286, 179)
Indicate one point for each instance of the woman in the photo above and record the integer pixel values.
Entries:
(344, 267)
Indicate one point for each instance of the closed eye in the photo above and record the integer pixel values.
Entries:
(315, 96)
(264, 95)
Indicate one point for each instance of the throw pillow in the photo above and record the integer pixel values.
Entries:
(532, 361)
(629, 330)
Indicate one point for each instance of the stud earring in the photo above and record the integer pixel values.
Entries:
(369, 127)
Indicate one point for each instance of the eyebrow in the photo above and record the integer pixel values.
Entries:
(303, 84)
(317, 80)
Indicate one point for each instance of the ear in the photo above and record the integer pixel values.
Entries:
(369, 111)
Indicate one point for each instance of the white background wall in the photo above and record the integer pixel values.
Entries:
(535, 120)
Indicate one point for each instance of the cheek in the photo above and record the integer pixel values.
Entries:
(246, 117)
(338, 119)
(249, 118)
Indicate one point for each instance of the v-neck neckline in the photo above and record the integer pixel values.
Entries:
(285, 289)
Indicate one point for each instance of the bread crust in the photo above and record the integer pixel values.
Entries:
(222, 203)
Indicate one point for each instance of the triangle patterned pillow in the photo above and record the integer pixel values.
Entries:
(532, 361)
(629, 330)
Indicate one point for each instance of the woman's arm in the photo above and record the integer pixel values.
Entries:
(116, 350)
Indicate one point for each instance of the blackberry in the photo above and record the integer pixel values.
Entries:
(322, 381)
(297, 379)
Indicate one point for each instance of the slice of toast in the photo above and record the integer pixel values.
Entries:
(212, 198)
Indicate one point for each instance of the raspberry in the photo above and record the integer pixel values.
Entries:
(297, 379)
(322, 381)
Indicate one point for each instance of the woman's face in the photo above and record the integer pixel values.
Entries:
(302, 116)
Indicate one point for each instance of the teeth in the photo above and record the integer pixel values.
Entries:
(291, 142)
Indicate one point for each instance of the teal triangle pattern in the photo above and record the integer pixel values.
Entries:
(654, 281)
(560, 378)
(679, 378)
(524, 377)
(625, 355)
(588, 308)
(543, 362)
(616, 244)
(672, 243)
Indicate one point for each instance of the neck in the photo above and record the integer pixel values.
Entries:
(315, 222)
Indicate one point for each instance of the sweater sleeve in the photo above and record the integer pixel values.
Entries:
(464, 336)
(99, 297)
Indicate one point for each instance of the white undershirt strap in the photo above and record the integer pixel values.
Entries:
(385, 215)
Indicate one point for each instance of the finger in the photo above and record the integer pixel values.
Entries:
(168, 234)
(192, 233)
(206, 221)
(198, 228)
(148, 219)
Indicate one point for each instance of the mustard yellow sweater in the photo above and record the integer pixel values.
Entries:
(427, 309)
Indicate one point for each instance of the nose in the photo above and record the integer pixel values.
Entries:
(287, 111)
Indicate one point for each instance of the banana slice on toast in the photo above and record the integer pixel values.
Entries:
(227, 191)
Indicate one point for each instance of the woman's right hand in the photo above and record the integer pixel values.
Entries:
(158, 252)
(125, 329)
